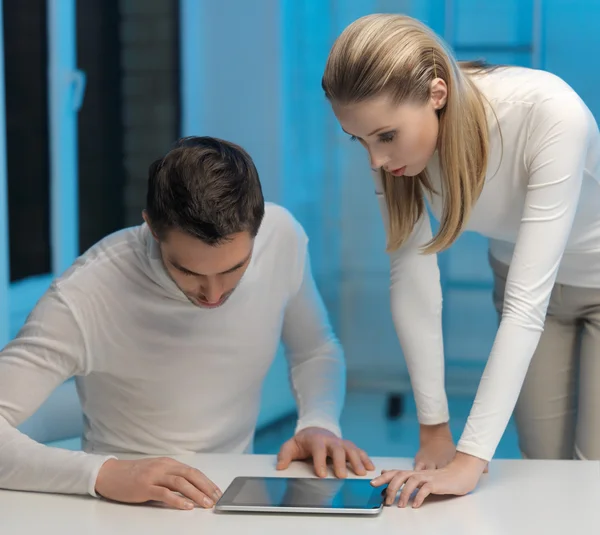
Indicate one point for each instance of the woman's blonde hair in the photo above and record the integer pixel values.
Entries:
(398, 56)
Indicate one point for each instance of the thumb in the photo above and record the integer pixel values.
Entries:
(287, 454)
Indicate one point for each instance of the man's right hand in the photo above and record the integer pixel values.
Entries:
(157, 479)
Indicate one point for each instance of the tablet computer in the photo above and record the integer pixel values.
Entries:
(302, 495)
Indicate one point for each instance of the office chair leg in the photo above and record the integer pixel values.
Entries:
(395, 406)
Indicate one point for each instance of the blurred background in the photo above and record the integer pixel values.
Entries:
(94, 90)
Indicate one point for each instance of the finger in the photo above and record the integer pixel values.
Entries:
(287, 454)
(397, 481)
(164, 495)
(319, 455)
(411, 484)
(366, 460)
(355, 461)
(338, 455)
(198, 479)
(385, 477)
(419, 465)
(424, 491)
(183, 486)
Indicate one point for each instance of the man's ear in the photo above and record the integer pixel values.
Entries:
(147, 220)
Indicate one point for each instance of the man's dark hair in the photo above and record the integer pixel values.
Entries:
(207, 188)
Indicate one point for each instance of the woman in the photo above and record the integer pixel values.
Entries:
(513, 154)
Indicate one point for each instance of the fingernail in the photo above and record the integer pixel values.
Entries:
(216, 495)
(208, 502)
(189, 505)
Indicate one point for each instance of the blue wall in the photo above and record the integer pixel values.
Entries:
(278, 50)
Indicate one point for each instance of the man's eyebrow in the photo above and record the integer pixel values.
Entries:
(178, 266)
(237, 266)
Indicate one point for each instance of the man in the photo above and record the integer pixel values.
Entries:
(170, 329)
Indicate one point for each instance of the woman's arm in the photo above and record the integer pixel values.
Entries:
(560, 132)
(416, 300)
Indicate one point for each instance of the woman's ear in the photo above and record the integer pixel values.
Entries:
(439, 93)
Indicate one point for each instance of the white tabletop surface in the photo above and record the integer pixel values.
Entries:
(516, 497)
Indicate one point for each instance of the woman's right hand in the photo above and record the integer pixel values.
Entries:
(437, 447)
(162, 479)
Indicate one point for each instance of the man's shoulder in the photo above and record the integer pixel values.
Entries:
(108, 257)
(280, 223)
(281, 244)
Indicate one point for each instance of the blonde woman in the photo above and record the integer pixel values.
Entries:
(513, 154)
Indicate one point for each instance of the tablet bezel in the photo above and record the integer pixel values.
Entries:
(226, 502)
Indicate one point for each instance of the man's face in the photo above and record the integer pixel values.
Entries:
(206, 274)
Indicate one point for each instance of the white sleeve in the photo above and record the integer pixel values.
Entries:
(416, 300)
(555, 158)
(316, 360)
(48, 350)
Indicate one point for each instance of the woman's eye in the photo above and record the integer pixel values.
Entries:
(352, 138)
(387, 138)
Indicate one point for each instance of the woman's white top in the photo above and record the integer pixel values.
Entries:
(540, 207)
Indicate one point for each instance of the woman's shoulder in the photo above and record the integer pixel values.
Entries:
(525, 100)
(512, 84)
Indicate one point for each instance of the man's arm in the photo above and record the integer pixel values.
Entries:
(316, 360)
(49, 349)
(318, 374)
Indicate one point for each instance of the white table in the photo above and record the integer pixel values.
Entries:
(516, 497)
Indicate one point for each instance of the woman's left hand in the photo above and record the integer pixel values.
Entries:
(458, 478)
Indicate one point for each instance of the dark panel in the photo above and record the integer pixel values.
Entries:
(27, 137)
(177, 65)
(101, 169)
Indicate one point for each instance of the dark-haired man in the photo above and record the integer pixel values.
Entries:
(169, 329)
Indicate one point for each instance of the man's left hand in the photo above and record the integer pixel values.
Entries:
(321, 444)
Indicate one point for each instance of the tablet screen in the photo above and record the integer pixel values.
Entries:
(304, 493)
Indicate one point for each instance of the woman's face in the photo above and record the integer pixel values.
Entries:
(400, 138)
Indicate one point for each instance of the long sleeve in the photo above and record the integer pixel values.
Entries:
(555, 158)
(416, 301)
(316, 360)
(48, 350)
